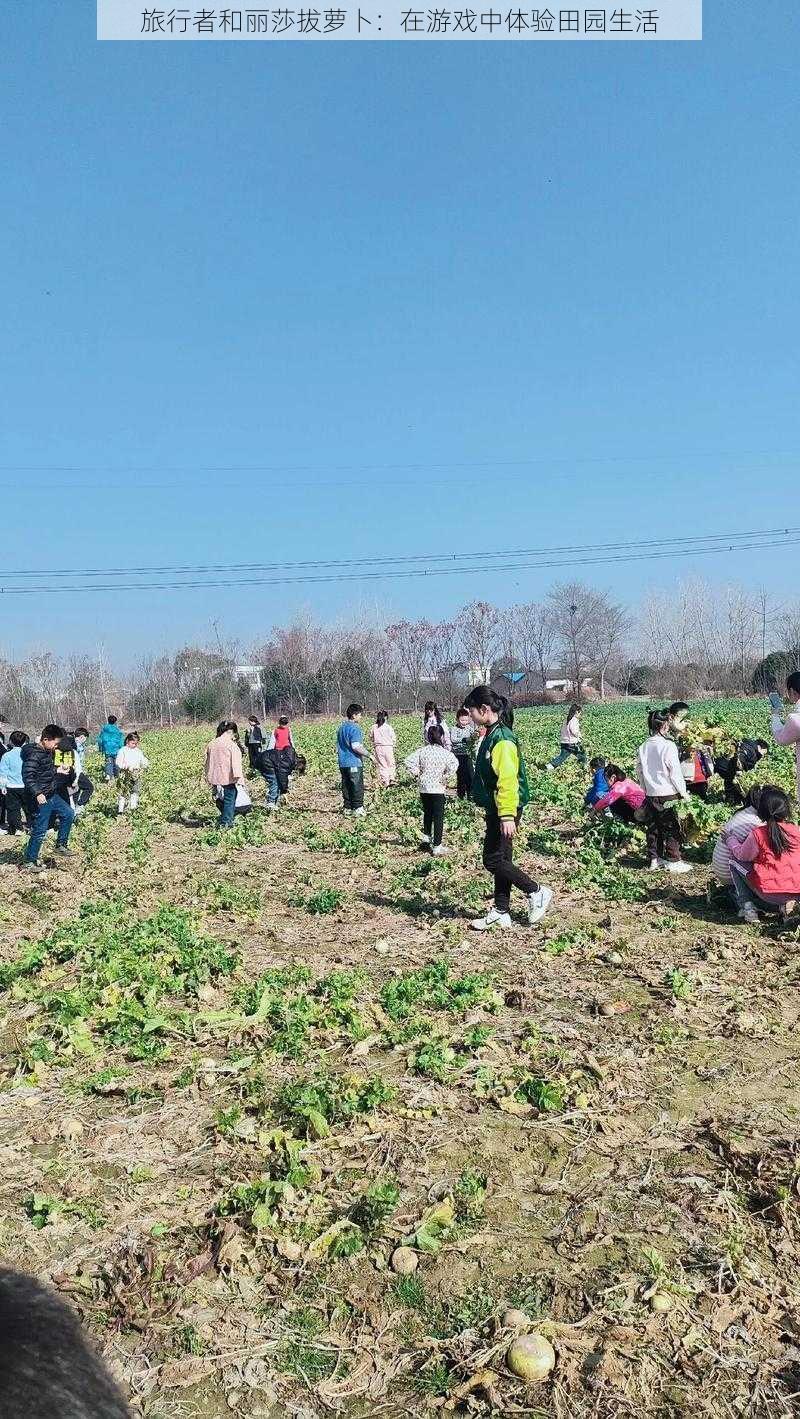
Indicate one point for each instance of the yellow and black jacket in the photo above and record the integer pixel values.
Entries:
(501, 783)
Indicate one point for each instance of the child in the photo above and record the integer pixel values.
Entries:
(435, 767)
(384, 740)
(599, 784)
(500, 786)
(746, 754)
(765, 868)
(571, 739)
(11, 785)
(83, 787)
(281, 736)
(431, 716)
(697, 769)
(623, 798)
(254, 740)
(659, 773)
(787, 732)
(109, 742)
(461, 741)
(130, 764)
(223, 768)
(350, 753)
(736, 829)
(45, 805)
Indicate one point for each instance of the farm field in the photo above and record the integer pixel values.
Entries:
(238, 1071)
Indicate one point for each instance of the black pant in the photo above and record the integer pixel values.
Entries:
(433, 816)
(733, 793)
(622, 810)
(699, 790)
(84, 788)
(254, 753)
(663, 829)
(498, 854)
(353, 788)
(464, 776)
(16, 802)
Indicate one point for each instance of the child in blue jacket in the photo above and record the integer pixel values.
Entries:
(599, 785)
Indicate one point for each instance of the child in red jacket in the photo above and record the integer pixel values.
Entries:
(766, 866)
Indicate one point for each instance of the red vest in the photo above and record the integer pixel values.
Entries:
(283, 736)
(770, 874)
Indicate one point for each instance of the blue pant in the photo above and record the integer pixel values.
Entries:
(111, 766)
(228, 807)
(44, 813)
(272, 787)
(568, 751)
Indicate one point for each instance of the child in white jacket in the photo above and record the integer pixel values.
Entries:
(130, 762)
(434, 767)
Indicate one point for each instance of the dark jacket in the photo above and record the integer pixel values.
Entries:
(500, 784)
(39, 770)
(279, 762)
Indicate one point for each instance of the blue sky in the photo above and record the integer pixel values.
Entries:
(348, 260)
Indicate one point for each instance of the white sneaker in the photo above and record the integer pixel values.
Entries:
(656, 864)
(539, 904)
(424, 839)
(360, 813)
(439, 851)
(492, 918)
(120, 807)
(3, 832)
(134, 800)
(678, 869)
(750, 915)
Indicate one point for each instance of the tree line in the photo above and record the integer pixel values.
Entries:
(576, 642)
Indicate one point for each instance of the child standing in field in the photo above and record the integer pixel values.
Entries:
(435, 767)
(223, 768)
(599, 783)
(109, 742)
(281, 736)
(384, 741)
(500, 787)
(11, 785)
(254, 740)
(765, 868)
(623, 798)
(432, 716)
(659, 773)
(131, 763)
(571, 739)
(350, 753)
(461, 742)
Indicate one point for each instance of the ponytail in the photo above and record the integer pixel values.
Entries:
(484, 697)
(775, 808)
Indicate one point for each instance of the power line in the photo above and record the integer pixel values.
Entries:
(426, 573)
(730, 541)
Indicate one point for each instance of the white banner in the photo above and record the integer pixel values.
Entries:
(133, 20)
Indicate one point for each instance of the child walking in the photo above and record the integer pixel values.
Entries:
(131, 763)
(461, 742)
(384, 740)
(500, 787)
(571, 739)
(659, 773)
(766, 866)
(435, 767)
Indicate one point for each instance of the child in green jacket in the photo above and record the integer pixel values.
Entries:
(500, 786)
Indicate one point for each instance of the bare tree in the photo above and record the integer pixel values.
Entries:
(536, 638)
(577, 613)
(479, 631)
(413, 642)
(613, 624)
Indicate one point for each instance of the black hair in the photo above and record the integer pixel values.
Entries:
(134, 734)
(793, 681)
(18, 737)
(598, 762)
(753, 799)
(47, 1366)
(431, 707)
(66, 744)
(462, 712)
(435, 734)
(254, 719)
(775, 808)
(614, 771)
(381, 717)
(573, 710)
(284, 720)
(112, 719)
(762, 744)
(82, 730)
(657, 720)
(226, 724)
(676, 707)
(484, 697)
(52, 731)
(354, 709)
